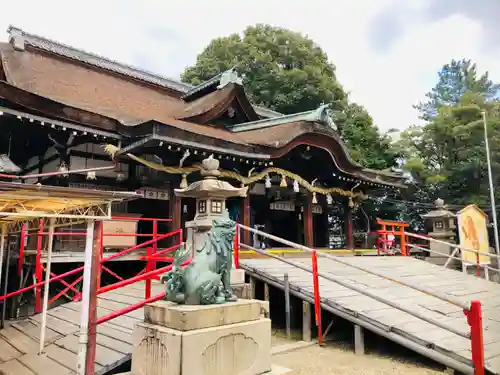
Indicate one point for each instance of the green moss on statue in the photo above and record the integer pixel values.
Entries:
(206, 280)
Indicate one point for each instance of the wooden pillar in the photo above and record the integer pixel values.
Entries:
(359, 340)
(308, 222)
(267, 297)
(175, 210)
(325, 239)
(299, 217)
(348, 228)
(245, 219)
(306, 321)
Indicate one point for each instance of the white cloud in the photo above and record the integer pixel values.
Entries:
(166, 37)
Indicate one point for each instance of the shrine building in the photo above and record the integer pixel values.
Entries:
(61, 106)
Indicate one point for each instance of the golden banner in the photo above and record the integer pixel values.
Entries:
(473, 234)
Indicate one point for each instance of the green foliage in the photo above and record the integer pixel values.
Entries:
(447, 155)
(283, 70)
(455, 80)
(364, 141)
(289, 73)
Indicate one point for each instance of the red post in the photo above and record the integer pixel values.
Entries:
(38, 268)
(21, 250)
(236, 247)
(404, 249)
(101, 252)
(317, 300)
(149, 254)
(475, 321)
(155, 244)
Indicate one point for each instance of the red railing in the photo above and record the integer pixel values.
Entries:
(473, 312)
(148, 273)
(314, 259)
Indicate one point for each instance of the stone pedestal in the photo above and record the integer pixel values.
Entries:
(229, 339)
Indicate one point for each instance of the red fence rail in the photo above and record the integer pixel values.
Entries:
(473, 312)
(151, 259)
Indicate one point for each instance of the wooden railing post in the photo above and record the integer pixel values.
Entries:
(236, 247)
(404, 250)
(475, 321)
(101, 252)
(155, 244)
(149, 255)
(317, 300)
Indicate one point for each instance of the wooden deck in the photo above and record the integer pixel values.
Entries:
(390, 322)
(19, 341)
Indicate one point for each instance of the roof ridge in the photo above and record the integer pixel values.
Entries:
(319, 114)
(94, 59)
(19, 36)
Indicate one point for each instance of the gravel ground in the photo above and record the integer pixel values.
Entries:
(338, 359)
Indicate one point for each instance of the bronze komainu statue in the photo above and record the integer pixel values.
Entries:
(206, 280)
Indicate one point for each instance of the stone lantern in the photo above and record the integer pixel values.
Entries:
(210, 194)
(442, 224)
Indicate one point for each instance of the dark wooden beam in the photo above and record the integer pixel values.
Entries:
(245, 219)
(308, 221)
(348, 227)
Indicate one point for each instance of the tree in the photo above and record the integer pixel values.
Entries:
(447, 154)
(366, 145)
(283, 70)
(455, 79)
(289, 73)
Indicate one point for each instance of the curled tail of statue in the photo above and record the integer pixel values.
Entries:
(181, 255)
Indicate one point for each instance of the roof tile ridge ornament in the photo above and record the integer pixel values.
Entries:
(322, 115)
(229, 76)
(16, 38)
(17, 35)
(215, 79)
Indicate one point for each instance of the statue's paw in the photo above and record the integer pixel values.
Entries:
(220, 300)
(176, 297)
(231, 298)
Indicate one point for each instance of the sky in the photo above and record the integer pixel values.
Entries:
(387, 52)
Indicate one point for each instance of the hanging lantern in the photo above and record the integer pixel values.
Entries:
(267, 182)
(314, 200)
(184, 182)
(283, 181)
(63, 169)
(329, 199)
(91, 175)
(296, 187)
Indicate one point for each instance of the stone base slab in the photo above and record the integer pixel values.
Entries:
(237, 276)
(192, 317)
(233, 349)
(242, 291)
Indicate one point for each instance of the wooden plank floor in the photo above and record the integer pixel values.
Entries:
(373, 313)
(19, 341)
